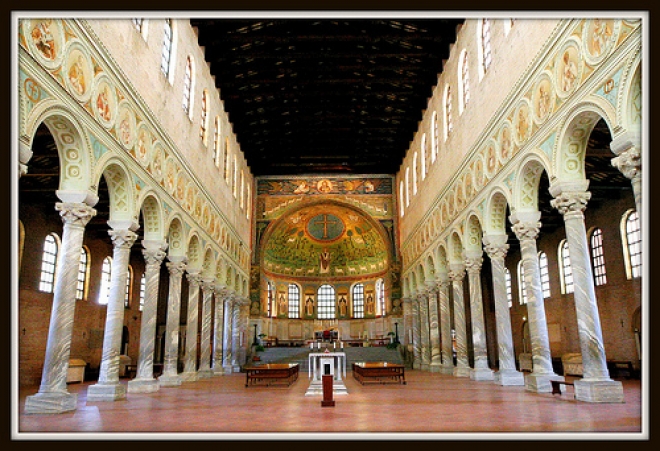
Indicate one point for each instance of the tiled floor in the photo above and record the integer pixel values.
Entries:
(430, 406)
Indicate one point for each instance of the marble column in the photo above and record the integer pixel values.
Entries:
(456, 275)
(218, 330)
(425, 348)
(243, 319)
(445, 325)
(595, 385)
(236, 332)
(227, 346)
(496, 247)
(434, 329)
(407, 329)
(108, 387)
(481, 370)
(205, 340)
(190, 362)
(53, 396)
(417, 336)
(526, 226)
(144, 382)
(170, 377)
(629, 162)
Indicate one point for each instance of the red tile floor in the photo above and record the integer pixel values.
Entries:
(430, 406)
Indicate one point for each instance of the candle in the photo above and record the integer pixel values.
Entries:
(334, 345)
(311, 345)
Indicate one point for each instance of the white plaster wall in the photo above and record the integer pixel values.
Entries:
(130, 50)
(512, 54)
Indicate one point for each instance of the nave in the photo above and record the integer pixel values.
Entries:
(430, 406)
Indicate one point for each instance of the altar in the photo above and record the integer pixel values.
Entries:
(321, 363)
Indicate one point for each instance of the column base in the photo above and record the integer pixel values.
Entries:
(228, 369)
(205, 373)
(540, 382)
(111, 392)
(424, 367)
(481, 374)
(236, 368)
(218, 371)
(462, 371)
(143, 386)
(169, 380)
(51, 403)
(188, 376)
(447, 368)
(509, 377)
(416, 365)
(598, 391)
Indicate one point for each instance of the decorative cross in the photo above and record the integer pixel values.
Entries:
(325, 223)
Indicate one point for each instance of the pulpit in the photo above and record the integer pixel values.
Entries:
(329, 363)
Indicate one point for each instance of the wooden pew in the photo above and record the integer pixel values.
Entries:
(271, 373)
(379, 372)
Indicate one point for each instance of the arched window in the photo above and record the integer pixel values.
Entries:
(522, 293)
(235, 178)
(166, 53)
(104, 292)
(509, 291)
(143, 288)
(216, 142)
(326, 302)
(204, 123)
(545, 276)
(631, 237)
(407, 187)
(83, 271)
(49, 263)
(225, 164)
(414, 173)
(465, 82)
(242, 190)
(434, 136)
(271, 298)
(294, 301)
(597, 257)
(449, 125)
(423, 155)
(565, 268)
(187, 87)
(129, 284)
(401, 199)
(380, 297)
(485, 44)
(358, 300)
(248, 202)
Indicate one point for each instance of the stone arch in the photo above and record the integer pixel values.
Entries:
(194, 252)
(430, 268)
(473, 233)
(629, 108)
(421, 274)
(176, 243)
(208, 265)
(121, 191)
(569, 155)
(441, 259)
(526, 192)
(221, 272)
(495, 213)
(455, 249)
(229, 278)
(152, 214)
(73, 148)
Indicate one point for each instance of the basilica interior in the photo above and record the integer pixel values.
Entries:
(198, 196)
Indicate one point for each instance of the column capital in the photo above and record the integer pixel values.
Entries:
(456, 272)
(629, 162)
(473, 264)
(122, 239)
(194, 276)
(571, 202)
(75, 213)
(176, 267)
(153, 256)
(624, 141)
(495, 246)
(208, 284)
(526, 230)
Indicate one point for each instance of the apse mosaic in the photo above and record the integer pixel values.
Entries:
(325, 240)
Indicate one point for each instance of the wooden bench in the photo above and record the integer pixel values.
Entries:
(271, 373)
(379, 372)
(556, 386)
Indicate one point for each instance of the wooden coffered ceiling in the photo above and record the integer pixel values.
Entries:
(325, 95)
